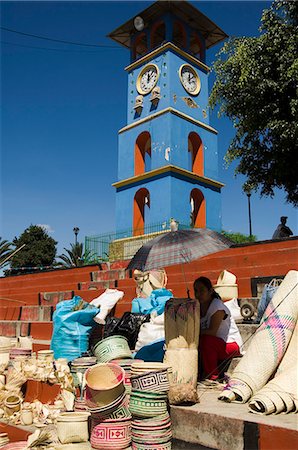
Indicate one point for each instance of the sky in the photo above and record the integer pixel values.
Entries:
(62, 107)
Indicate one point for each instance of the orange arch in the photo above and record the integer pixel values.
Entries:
(195, 146)
(199, 209)
(196, 46)
(179, 35)
(142, 146)
(139, 204)
(140, 46)
(158, 34)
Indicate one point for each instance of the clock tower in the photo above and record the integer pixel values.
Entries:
(167, 151)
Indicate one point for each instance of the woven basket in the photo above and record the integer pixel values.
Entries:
(112, 347)
(280, 395)
(157, 381)
(104, 384)
(111, 434)
(268, 344)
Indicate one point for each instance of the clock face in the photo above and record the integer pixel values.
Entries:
(147, 79)
(190, 79)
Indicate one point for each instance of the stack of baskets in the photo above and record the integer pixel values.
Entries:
(126, 366)
(78, 369)
(106, 395)
(151, 424)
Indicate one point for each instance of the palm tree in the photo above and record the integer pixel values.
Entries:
(5, 252)
(76, 256)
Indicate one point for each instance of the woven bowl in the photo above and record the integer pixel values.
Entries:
(226, 291)
(147, 404)
(118, 410)
(104, 384)
(113, 347)
(72, 427)
(226, 277)
(157, 381)
(111, 434)
(165, 446)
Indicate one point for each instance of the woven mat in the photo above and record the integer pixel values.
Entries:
(268, 344)
(281, 393)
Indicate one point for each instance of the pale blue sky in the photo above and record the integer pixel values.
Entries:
(62, 107)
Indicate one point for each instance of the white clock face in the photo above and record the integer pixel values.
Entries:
(189, 79)
(147, 79)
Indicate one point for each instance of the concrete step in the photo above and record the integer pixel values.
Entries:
(95, 285)
(38, 330)
(113, 274)
(222, 426)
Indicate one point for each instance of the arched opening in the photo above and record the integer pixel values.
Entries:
(158, 34)
(179, 35)
(196, 154)
(143, 153)
(197, 209)
(196, 46)
(140, 204)
(140, 46)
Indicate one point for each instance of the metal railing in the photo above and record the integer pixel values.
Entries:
(99, 245)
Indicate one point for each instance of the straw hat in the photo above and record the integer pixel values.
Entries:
(226, 286)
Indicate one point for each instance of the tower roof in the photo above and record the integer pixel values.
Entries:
(183, 10)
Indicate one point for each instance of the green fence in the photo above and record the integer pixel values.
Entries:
(99, 245)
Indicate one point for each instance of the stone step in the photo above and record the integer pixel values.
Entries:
(222, 426)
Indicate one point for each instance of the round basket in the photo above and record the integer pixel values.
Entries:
(73, 427)
(226, 291)
(104, 385)
(157, 381)
(147, 404)
(113, 347)
(165, 446)
(111, 434)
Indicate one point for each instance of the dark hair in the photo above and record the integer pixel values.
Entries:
(207, 283)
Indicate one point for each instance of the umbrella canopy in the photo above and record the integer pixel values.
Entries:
(178, 247)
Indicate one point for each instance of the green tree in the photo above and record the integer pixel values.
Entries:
(5, 251)
(239, 238)
(39, 251)
(76, 256)
(256, 87)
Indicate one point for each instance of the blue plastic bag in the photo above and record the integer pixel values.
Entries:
(72, 328)
(267, 295)
(156, 302)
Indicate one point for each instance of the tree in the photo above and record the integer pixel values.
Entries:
(76, 256)
(5, 251)
(256, 87)
(39, 251)
(239, 238)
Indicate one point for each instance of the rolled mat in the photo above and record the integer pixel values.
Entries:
(281, 393)
(268, 344)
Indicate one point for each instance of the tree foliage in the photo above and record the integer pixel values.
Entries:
(39, 251)
(256, 87)
(76, 256)
(239, 238)
(5, 251)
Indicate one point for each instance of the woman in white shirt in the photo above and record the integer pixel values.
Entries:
(219, 336)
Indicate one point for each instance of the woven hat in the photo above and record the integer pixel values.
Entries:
(226, 286)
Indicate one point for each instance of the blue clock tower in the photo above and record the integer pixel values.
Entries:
(167, 151)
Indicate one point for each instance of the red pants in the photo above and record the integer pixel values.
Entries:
(213, 350)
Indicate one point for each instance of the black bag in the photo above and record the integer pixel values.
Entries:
(128, 326)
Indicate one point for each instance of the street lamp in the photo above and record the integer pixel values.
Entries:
(76, 232)
(249, 213)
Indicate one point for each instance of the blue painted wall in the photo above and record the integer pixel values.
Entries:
(169, 197)
(167, 131)
(172, 92)
(169, 193)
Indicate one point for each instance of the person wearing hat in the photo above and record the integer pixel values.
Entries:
(282, 231)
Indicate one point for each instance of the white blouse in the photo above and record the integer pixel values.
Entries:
(228, 330)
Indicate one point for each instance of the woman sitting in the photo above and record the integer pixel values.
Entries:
(219, 336)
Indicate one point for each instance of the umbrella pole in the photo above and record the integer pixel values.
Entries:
(184, 276)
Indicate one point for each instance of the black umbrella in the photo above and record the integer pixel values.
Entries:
(178, 247)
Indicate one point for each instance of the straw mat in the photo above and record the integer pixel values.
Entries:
(281, 393)
(268, 344)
